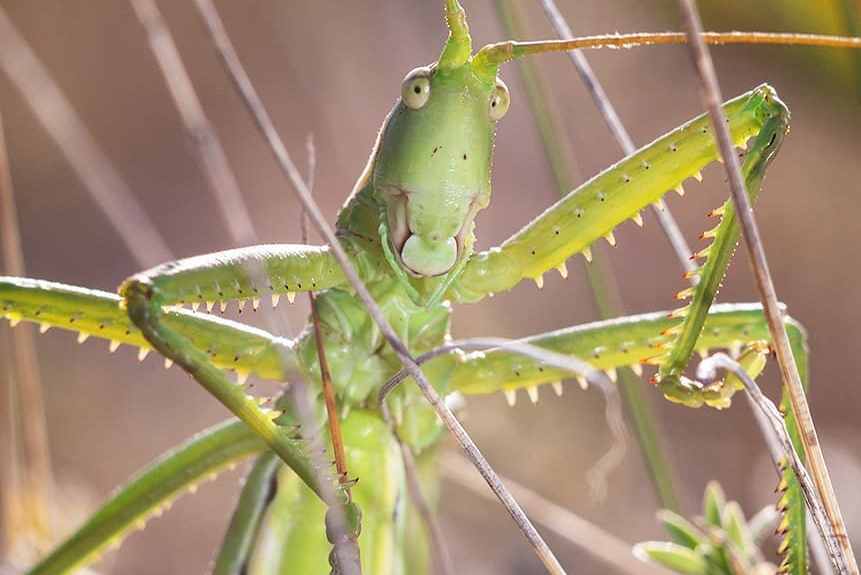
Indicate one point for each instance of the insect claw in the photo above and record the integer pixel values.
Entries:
(691, 274)
(743, 145)
(241, 305)
(563, 270)
(114, 345)
(611, 373)
(43, 327)
(539, 281)
(680, 190)
(717, 212)
(611, 239)
(587, 253)
(510, 396)
(142, 353)
(275, 299)
(660, 205)
(532, 391)
(223, 305)
(195, 305)
(637, 369)
(82, 337)
(255, 303)
(168, 362)
(685, 293)
(291, 296)
(557, 388)
(241, 377)
(638, 219)
(13, 321)
(584, 383)
(698, 176)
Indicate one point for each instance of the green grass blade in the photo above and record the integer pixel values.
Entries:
(245, 525)
(151, 492)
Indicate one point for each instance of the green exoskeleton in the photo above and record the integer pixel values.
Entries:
(409, 229)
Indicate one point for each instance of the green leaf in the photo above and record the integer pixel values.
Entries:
(713, 504)
(681, 531)
(676, 557)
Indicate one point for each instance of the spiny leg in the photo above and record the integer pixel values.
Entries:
(150, 492)
(617, 194)
(675, 359)
(144, 304)
(246, 274)
(621, 343)
(95, 313)
(608, 345)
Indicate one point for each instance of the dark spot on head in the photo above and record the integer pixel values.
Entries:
(464, 156)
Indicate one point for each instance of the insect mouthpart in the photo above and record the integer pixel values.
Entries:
(425, 254)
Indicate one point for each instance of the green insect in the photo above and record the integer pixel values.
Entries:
(408, 228)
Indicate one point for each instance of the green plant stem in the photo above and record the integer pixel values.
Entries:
(258, 491)
(601, 279)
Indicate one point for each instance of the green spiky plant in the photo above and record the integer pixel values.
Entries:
(720, 542)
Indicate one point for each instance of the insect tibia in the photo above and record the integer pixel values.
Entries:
(618, 194)
(721, 240)
(97, 314)
(244, 275)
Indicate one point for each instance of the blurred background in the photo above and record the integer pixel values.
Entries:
(333, 69)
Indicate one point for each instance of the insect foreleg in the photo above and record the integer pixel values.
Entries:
(594, 209)
(717, 257)
(144, 305)
(246, 274)
(93, 313)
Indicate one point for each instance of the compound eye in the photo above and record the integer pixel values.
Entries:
(499, 101)
(415, 90)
